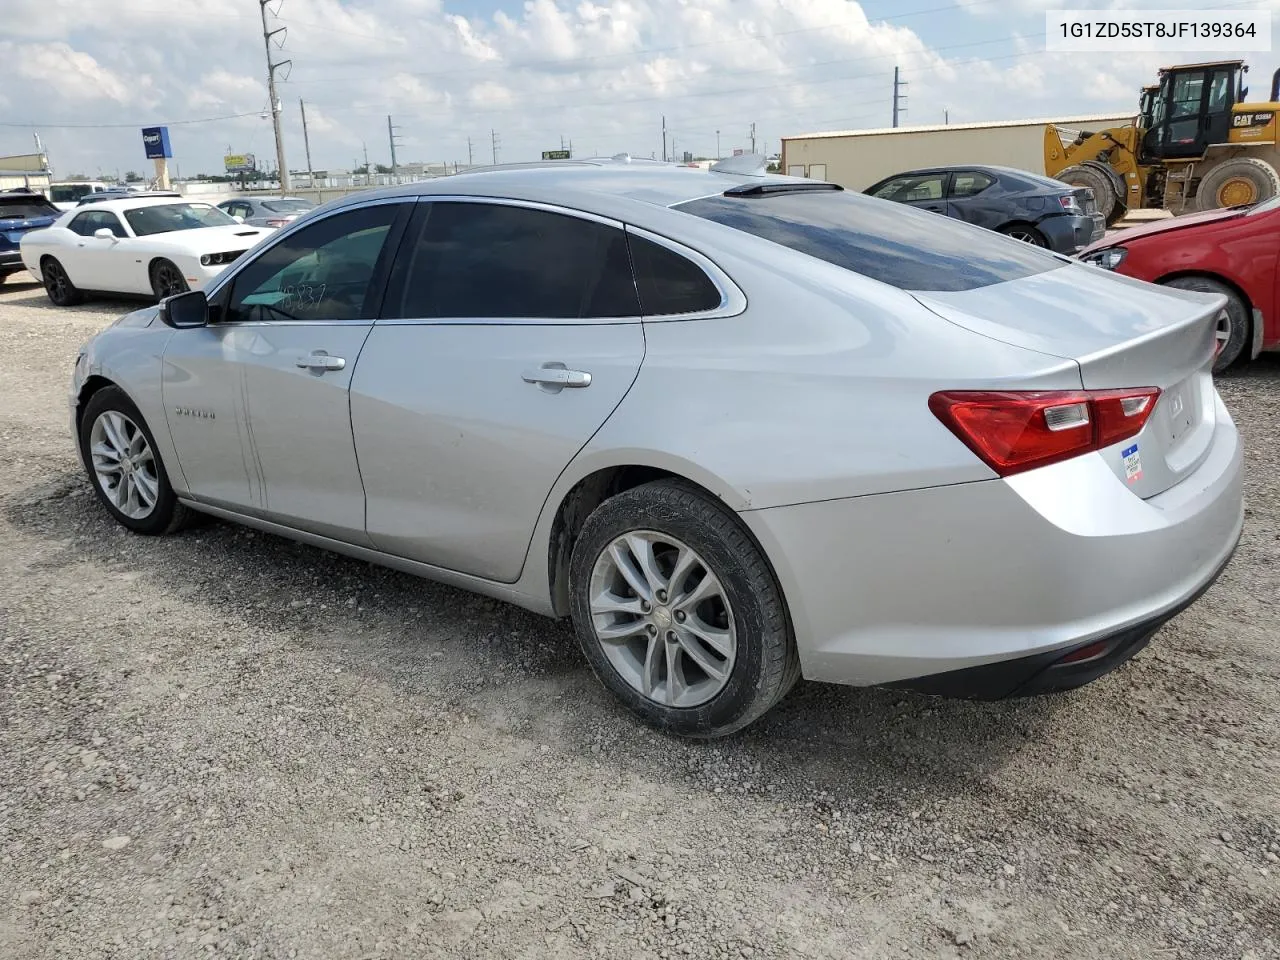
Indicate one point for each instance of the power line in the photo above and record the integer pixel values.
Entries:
(138, 123)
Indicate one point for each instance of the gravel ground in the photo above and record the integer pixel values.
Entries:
(226, 744)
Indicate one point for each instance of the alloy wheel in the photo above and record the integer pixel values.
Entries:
(663, 619)
(55, 282)
(124, 464)
(169, 281)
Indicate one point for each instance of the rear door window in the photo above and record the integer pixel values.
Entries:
(499, 261)
(895, 244)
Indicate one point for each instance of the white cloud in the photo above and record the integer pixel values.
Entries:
(602, 72)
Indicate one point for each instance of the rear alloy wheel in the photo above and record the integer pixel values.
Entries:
(678, 612)
(167, 280)
(62, 292)
(1233, 329)
(124, 467)
(1025, 233)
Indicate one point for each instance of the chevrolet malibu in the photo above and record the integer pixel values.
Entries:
(739, 429)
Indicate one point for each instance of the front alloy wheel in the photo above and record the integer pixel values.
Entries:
(124, 465)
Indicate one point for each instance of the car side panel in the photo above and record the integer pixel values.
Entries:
(457, 451)
(1243, 253)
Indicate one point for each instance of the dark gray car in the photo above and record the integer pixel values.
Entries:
(266, 211)
(1030, 207)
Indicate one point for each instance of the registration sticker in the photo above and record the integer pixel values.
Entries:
(1132, 463)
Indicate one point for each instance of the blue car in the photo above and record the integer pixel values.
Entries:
(21, 211)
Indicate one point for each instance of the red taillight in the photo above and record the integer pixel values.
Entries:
(1014, 431)
(276, 223)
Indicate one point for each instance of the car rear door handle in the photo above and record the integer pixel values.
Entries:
(322, 362)
(557, 375)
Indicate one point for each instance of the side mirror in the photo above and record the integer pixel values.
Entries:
(183, 311)
(238, 219)
(103, 233)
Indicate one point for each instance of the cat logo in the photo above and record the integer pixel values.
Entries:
(1251, 119)
(192, 412)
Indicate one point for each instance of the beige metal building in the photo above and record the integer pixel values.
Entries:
(30, 170)
(856, 159)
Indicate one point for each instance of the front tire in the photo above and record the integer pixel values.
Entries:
(57, 284)
(1234, 333)
(678, 612)
(167, 280)
(126, 471)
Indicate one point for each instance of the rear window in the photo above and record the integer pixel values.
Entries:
(27, 209)
(288, 206)
(906, 248)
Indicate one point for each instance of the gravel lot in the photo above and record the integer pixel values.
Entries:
(225, 744)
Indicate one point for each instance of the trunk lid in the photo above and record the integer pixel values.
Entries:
(22, 213)
(1121, 333)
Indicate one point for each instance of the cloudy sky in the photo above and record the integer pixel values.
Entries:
(86, 74)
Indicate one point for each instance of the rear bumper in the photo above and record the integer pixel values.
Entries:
(1069, 235)
(903, 586)
(10, 260)
(1055, 671)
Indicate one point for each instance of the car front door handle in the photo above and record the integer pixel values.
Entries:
(321, 362)
(555, 375)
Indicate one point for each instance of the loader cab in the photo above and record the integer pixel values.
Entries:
(1191, 109)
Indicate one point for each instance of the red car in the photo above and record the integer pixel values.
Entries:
(1232, 252)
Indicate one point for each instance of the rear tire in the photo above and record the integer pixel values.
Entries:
(1104, 192)
(1239, 322)
(62, 292)
(1238, 181)
(138, 494)
(627, 557)
(1026, 233)
(167, 280)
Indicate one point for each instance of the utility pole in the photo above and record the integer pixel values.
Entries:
(946, 117)
(470, 160)
(718, 153)
(391, 135)
(272, 67)
(493, 136)
(753, 136)
(306, 143)
(664, 139)
(365, 148)
(899, 98)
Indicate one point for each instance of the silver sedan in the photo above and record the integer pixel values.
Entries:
(740, 429)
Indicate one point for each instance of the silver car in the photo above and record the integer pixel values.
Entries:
(266, 211)
(740, 429)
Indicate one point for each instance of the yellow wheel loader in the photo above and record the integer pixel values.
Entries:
(1196, 144)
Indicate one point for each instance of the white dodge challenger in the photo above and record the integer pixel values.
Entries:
(155, 246)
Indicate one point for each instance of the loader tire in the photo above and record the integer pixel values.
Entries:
(1104, 191)
(1237, 182)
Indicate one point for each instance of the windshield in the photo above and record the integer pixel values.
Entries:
(288, 206)
(895, 244)
(1266, 206)
(26, 209)
(168, 217)
(69, 192)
